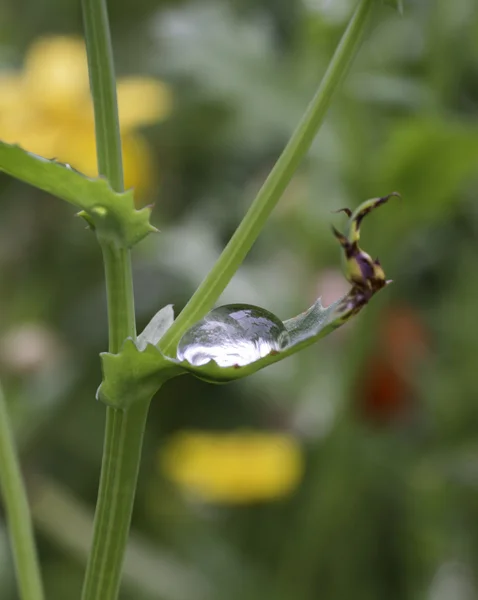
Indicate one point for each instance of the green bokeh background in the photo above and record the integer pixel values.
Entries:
(386, 509)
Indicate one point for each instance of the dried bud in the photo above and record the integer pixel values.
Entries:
(365, 274)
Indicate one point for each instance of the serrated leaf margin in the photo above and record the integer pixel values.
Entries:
(113, 215)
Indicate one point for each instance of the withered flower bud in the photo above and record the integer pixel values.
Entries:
(365, 274)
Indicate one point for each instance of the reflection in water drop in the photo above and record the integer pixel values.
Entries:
(235, 334)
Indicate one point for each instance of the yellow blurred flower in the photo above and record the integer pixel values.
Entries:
(47, 110)
(233, 468)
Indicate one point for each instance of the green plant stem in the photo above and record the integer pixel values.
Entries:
(120, 295)
(103, 90)
(119, 473)
(124, 429)
(274, 186)
(18, 513)
(122, 447)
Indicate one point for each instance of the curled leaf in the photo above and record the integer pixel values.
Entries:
(236, 340)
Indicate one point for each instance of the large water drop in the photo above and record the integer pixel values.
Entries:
(233, 335)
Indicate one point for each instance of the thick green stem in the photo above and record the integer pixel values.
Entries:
(274, 186)
(122, 448)
(18, 513)
(119, 473)
(124, 429)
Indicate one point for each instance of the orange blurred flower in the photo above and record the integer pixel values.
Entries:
(47, 110)
(387, 385)
(233, 468)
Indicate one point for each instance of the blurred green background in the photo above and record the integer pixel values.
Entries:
(384, 412)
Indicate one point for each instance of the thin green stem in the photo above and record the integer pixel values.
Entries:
(124, 429)
(103, 89)
(274, 186)
(120, 295)
(18, 513)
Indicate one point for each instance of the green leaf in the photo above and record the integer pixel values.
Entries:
(231, 342)
(112, 215)
(133, 374)
(139, 369)
(156, 328)
(237, 340)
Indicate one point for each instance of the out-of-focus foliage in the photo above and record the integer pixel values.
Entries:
(383, 413)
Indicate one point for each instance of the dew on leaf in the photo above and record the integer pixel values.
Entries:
(233, 335)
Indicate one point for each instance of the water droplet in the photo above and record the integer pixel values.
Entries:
(233, 335)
